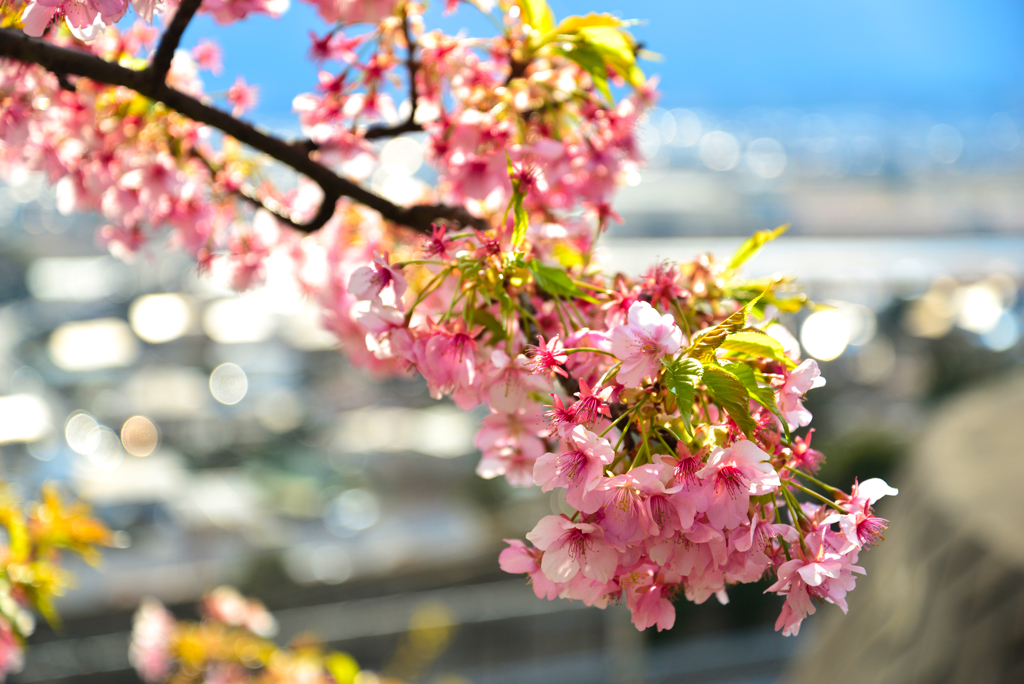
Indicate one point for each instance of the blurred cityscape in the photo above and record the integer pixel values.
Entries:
(227, 439)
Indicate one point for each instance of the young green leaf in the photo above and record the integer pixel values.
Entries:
(757, 343)
(538, 15)
(703, 348)
(754, 243)
(571, 25)
(591, 61)
(616, 46)
(554, 280)
(522, 220)
(765, 396)
(681, 378)
(731, 394)
(489, 322)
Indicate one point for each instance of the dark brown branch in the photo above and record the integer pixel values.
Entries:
(169, 42)
(16, 45)
(411, 65)
(65, 84)
(377, 132)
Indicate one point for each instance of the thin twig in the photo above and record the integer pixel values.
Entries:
(411, 65)
(161, 64)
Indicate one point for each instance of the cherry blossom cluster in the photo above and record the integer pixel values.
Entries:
(231, 643)
(36, 535)
(661, 410)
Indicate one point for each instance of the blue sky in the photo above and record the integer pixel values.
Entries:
(882, 55)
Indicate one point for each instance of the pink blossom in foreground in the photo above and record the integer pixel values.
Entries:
(578, 470)
(736, 472)
(649, 598)
(643, 341)
(547, 357)
(801, 380)
(85, 18)
(370, 282)
(570, 548)
(520, 559)
(821, 575)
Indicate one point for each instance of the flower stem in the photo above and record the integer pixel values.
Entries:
(588, 350)
(816, 495)
(812, 479)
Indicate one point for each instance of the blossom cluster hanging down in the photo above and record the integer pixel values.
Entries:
(663, 406)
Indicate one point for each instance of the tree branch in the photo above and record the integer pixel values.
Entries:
(16, 45)
(169, 42)
(409, 125)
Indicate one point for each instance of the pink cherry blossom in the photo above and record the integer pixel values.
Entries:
(370, 282)
(520, 559)
(208, 56)
(643, 341)
(242, 96)
(802, 379)
(649, 599)
(592, 403)
(627, 514)
(570, 548)
(579, 469)
(736, 472)
(822, 575)
(547, 357)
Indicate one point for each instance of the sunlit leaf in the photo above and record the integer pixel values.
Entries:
(711, 339)
(765, 396)
(538, 15)
(681, 378)
(574, 24)
(521, 218)
(753, 244)
(554, 280)
(757, 343)
(731, 394)
(591, 61)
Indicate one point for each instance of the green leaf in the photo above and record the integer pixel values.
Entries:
(591, 61)
(710, 339)
(489, 322)
(765, 396)
(616, 46)
(757, 343)
(731, 394)
(538, 15)
(573, 24)
(681, 378)
(555, 280)
(754, 243)
(522, 220)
